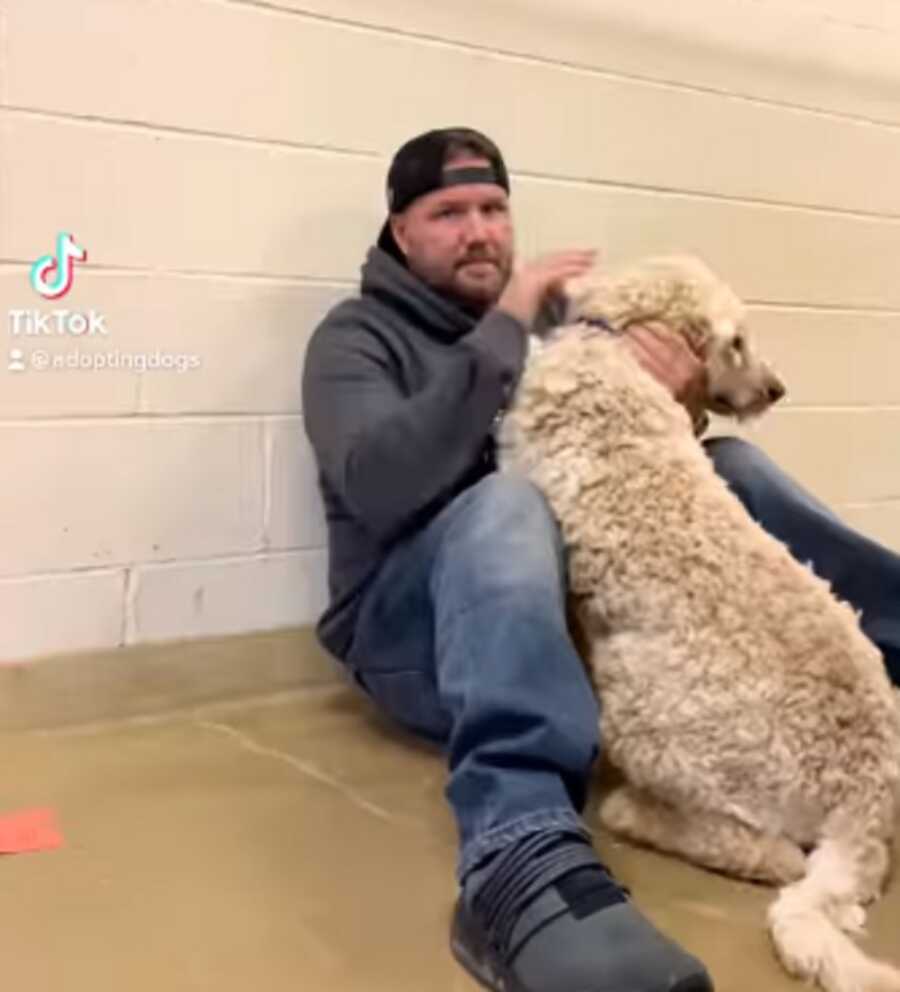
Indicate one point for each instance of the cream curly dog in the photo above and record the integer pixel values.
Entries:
(750, 717)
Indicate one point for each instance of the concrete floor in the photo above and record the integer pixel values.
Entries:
(292, 843)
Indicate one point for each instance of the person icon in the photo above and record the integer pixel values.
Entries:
(16, 360)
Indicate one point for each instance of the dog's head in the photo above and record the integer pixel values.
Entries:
(685, 295)
(739, 383)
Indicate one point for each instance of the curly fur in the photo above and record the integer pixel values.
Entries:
(750, 716)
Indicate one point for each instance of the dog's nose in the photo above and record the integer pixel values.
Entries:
(776, 392)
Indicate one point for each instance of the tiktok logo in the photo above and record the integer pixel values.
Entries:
(63, 262)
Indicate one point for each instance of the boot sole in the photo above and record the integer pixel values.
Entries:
(484, 976)
(487, 980)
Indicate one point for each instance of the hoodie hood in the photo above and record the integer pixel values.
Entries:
(393, 283)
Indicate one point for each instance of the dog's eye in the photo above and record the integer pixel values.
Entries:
(738, 342)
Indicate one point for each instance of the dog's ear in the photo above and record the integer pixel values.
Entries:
(559, 382)
(723, 328)
(575, 292)
(553, 377)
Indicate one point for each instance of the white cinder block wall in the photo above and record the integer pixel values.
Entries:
(222, 162)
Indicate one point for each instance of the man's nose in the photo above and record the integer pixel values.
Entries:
(476, 228)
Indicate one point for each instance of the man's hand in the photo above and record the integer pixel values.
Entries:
(669, 359)
(547, 274)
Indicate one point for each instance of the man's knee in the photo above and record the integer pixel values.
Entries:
(766, 490)
(505, 528)
(737, 460)
(748, 471)
(506, 500)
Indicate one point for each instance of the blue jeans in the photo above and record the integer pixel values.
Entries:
(462, 638)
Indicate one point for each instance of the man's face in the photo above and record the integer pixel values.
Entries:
(460, 240)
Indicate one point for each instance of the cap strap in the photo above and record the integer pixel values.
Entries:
(470, 174)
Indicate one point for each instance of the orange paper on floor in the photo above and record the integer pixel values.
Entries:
(29, 830)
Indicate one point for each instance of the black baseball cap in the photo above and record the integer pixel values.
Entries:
(419, 168)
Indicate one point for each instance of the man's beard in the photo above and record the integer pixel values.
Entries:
(476, 302)
(473, 297)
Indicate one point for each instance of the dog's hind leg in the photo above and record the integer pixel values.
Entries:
(711, 840)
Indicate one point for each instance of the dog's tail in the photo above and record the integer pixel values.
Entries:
(808, 920)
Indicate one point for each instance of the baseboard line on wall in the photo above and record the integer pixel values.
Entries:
(141, 680)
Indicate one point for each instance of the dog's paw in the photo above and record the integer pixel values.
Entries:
(616, 812)
(850, 918)
(784, 862)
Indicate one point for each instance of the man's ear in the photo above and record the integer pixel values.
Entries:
(398, 229)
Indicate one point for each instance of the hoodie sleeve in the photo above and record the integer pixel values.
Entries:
(391, 457)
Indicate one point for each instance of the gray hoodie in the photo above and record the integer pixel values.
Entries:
(401, 387)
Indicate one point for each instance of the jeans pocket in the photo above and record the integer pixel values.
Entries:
(411, 698)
